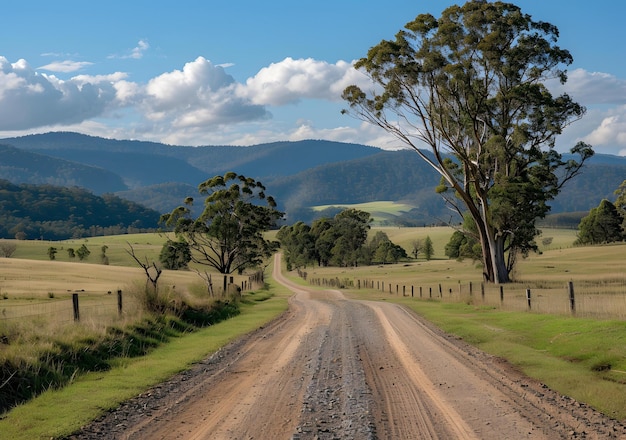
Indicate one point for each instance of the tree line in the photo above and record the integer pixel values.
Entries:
(342, 241)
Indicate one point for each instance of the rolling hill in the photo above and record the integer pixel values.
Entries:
(299, 174)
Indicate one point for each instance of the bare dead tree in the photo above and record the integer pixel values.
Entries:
(152, 271)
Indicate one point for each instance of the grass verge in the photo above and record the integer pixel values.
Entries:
(58, 413)
(582, 358)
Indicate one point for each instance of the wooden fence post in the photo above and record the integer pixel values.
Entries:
(528, 298)
(119, 301)
(440, 294)
(75, 306)
(572, 299)
(482, 291)
(411, 291)
(501, 294)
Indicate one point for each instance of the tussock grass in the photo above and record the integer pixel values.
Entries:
(59, 412)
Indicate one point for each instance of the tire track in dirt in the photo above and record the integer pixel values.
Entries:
(334, 368)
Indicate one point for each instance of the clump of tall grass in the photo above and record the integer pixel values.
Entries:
(42, 353)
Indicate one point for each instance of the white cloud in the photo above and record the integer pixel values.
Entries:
(135, 53)
(199, 94)
(139, 50)
(29, 99)
(290, 81)
(65, 66)
(592, 88)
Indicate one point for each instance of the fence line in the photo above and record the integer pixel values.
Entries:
(604, 299)
(98, 306)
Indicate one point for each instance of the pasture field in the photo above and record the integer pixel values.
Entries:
(380, 211)
(580, 356)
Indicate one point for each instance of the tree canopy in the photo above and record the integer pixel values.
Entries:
(470, 87)
(602, 225)
(228, 234)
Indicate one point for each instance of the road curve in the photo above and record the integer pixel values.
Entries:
(336, 368)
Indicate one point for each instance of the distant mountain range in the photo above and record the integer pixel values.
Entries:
(298, 174)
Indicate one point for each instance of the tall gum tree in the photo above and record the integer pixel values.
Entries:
(468, 93)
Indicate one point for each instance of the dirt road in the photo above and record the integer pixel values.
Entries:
(334, 368)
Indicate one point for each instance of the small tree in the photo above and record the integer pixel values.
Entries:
(71, 253)
(7, 249)
(228, 234)
(175, 255)
(602, 225)
(52, 252)
(83, 252)
(428, 249)
(103, 254)
(153, 273)
(620, 203)
(416, 247)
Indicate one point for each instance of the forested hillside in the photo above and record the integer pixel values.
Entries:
(299, 174)
(21, 166)
(50, 212)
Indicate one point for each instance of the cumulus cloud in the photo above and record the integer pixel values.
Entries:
(29, 99)
(290, 81)
(200, 94)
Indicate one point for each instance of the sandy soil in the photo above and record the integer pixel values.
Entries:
(334, 368)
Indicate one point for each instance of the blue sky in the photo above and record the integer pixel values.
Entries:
(246, 72)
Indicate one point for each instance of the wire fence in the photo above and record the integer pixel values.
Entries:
(99, 307)
(603, 299)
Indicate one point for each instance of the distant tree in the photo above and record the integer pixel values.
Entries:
(20, 235)
(462, 245)
(416, 247)
(228, 234)
(428, 249)
(350, 228)
(602, 225)
(324, 236)
(298, 245)
(384, 250)
(153, 273)
(175, 255)
(620, 203)
(467, 92)
(464, 242)
(103, 255)
(83, 252)
(7, 249)
(52, 252)
(71, 253)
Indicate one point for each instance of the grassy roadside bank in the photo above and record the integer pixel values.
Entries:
(58, 413)
(581, 358)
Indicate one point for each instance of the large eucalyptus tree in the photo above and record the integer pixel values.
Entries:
(471, 88)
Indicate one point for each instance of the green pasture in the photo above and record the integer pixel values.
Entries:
(380, 211)
(145, 245)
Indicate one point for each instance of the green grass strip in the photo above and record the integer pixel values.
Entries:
(58, 413)
(582, 358)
